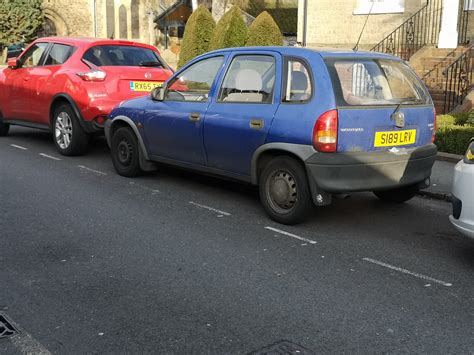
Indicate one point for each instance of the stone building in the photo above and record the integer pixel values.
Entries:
(119, 19)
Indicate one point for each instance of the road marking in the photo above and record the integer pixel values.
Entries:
(18, 146)
(291, 235)
(209, 208)
(25, 343)
(153, 191)
(48, 156)
(92, 170)
(408, 272)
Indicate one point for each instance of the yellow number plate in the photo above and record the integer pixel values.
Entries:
(144, 85)
(393, 138)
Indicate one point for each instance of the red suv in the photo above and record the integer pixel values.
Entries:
(70, 85)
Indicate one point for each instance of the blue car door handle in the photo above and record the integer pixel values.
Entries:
(256, 123)
(194, 116)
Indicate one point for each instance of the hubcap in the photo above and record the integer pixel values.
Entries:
(124, 150)
(282, 191)
(63, 130)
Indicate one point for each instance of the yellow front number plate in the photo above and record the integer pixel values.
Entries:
(144, 85)
(393, 138)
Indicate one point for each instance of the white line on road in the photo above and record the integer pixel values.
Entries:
(92, 170)
(291, 235)
(48, 156)
(408, 272)
(153, 191)
(18, 146)
(209, 208)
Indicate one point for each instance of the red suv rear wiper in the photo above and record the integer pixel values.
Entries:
(150, 64)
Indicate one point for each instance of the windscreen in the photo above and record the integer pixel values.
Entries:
(367, 82)
(110, 55)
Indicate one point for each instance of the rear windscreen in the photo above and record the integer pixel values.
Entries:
(122, 56)
(366, 82)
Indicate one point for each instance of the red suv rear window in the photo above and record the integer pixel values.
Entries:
(115, 55)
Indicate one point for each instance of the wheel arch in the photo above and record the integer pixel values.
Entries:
(64, 98)
(268, 151)
(124, 121)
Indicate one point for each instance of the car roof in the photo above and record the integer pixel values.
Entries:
(323, 52)
(88, 42)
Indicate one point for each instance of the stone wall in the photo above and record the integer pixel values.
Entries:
(333, 23)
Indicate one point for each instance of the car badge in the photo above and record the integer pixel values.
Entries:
(147, 75)
(399, 119)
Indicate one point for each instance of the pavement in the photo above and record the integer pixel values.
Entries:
(177, 262)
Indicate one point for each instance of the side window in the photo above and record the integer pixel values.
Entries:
(58, 54)
(195, 82)
(299, 86)
(33, 55)
(250, 79)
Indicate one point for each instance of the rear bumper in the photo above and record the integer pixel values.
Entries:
(369, 171)
(463, 199)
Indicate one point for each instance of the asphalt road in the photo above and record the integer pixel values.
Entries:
(177, 262)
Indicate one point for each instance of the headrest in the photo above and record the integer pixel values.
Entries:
(248, 80)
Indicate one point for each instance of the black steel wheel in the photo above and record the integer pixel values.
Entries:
(125, 152)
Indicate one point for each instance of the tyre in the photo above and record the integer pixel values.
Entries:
(69, 137)
(4, 128)
(284, 190)
(125, 152)
(398, 195)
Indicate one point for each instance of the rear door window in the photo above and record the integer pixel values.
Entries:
(367, 82)
(59, 54)
(110, 55)
(298, 86)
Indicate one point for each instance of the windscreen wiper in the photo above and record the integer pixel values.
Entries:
(150, 64)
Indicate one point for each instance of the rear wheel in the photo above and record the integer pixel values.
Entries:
(398, 195)
(69, 137)
(125, 152)
(284, 190)
(4, 128)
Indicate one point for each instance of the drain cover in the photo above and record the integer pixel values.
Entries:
(6, 328)
(283, 347)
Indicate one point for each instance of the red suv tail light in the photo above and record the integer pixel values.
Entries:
(434, 126)
(93, 75)
(325, 132)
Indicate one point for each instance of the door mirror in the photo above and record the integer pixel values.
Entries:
(158, 93)
(13, 63)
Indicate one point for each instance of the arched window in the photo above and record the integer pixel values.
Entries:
(123, 25)
(135, 12)
(110, 16)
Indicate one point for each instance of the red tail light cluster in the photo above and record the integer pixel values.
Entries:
(325, 132)
(93, 75)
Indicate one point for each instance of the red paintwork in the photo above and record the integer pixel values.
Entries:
(27, 93)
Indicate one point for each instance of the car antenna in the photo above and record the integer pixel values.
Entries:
(356, 47)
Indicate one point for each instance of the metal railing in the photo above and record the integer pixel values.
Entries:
(458, 79)
(463, 22)
(420, 29)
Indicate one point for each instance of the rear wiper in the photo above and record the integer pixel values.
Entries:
(404, 103)
(150, 64)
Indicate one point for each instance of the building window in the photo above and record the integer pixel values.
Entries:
(134, 9)
(379, 6)
(123, 25)
(468, 5)
(110, 15)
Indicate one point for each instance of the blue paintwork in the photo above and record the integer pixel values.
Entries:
(223, 139)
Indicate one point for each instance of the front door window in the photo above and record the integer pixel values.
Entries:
(33, 56)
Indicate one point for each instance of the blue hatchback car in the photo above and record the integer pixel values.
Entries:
(302, 124)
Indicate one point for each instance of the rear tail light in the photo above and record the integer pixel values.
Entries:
(93, 75)
(434, 126)
(469, 156)
(325, 132)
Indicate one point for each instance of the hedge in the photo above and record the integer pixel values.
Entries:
(197, 35)
(231, 30)
(264, 32)
(454, 132)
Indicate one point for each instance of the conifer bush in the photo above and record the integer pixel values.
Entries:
(264, 32)
(231, 30)
(197, 35)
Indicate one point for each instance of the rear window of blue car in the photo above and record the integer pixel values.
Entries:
(374, 82)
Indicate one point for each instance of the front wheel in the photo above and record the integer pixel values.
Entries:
(398, 195)
(125, 152)
(69, 137)
(284, 190)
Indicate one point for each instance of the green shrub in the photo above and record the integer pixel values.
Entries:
(197, 35)
(286, 19)
(453, 138)
(20, 21)
(445, 120)
(264, 32)
(231, 30)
